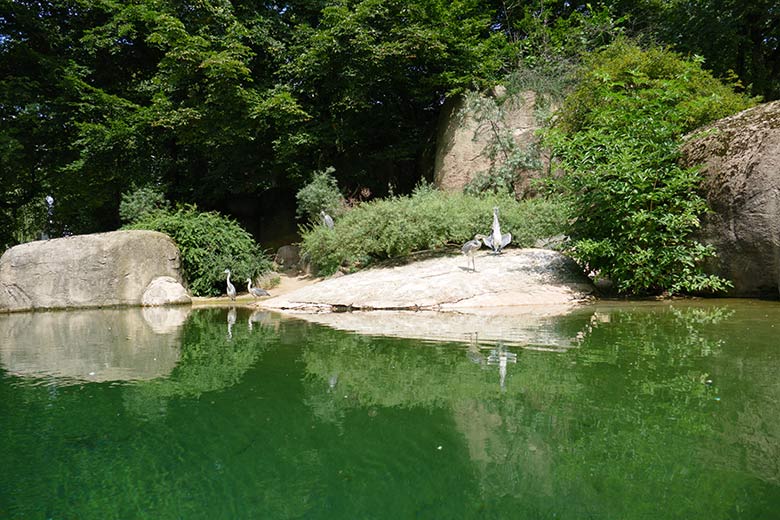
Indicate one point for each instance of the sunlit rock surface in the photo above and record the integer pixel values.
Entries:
(515, 278)
(464, 138)
(99, 270)
(92, 345)
(164, 290)
(740, 155)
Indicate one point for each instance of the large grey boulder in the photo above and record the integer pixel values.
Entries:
(518, 277)
(164, 290)
(100, 270)
(741, 158)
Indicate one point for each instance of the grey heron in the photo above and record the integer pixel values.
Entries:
(255, 291)
(496, 241)
(471, 247)
(231, 290)
(327, 220)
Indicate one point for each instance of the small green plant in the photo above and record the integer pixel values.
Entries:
(617, 140)
(209, 244)
(428, 219)
(141, 202)
(320, 194)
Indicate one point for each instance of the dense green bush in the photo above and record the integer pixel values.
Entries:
(209, 244)
(320, 194)
(617, 139)
(428, 219)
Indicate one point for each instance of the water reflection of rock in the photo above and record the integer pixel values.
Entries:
(166, 320)
(529, 326)
(264, 320)
(92, 345)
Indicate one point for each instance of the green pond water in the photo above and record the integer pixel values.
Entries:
(624, 411)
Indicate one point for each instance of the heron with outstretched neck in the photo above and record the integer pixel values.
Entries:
(496, 241)
(231, 290)
(255, 291)
(470, 248)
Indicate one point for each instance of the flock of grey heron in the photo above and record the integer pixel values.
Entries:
(496, 241)
(257, 292)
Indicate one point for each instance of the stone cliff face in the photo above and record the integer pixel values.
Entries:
(740, 155)
(464, 139)
(100, 270)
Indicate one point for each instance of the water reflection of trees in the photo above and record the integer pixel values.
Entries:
(212, 358)
(656, 401)
(631, 415)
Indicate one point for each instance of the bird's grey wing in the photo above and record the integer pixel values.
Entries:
(488, 241)
(505, 239)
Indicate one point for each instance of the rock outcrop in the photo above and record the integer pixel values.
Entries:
(100, 270)
(464, 139)
(741, 158)
(164, 290)
(515, 278)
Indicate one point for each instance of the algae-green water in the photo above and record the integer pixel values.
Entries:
(641, 411)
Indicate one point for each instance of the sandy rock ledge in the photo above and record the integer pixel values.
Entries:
(517, 277)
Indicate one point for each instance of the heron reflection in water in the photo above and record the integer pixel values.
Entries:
(501, 357)
(261, 318)
(333, 380)
(231, 320)
(473, 351)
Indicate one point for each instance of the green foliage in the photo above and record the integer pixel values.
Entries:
(617, 141)
(371, 74)
(735, 38)
(209, 244)
(548, 56)
(141, 202)
(507, 158)
(428, 219)
(216, 98)
(552, 36)
(321, 193)
(210, 359)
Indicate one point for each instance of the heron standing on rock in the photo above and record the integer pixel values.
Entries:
(496, 241)
(255, 291)
(471, 247)
(327, 220)
(231, 290)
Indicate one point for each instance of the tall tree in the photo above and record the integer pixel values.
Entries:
(216, 98)
(372, 75)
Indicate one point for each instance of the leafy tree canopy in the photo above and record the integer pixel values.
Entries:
(219, 98)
